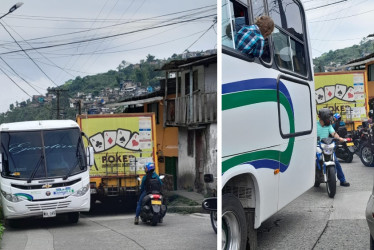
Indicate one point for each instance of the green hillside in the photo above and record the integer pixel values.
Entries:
(142, 73)
(342, 56)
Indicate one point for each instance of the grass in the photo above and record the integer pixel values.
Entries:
(2, 228)
(176, 200)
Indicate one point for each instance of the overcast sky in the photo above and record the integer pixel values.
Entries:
(55, 22)
(41, 23)
(340, 25)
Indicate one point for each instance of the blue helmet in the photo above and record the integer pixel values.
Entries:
(149, 166)
(337, 116)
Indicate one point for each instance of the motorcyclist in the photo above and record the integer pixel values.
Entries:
(338, 122)
(324, 128)
(149, 169)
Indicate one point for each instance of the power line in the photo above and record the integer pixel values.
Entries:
(15, 82)
(27, 54)
(326, 5)
(106, 37)
(342, 17)
(81, 19)
(201, 36)
(41, 53)
(19, 75)
(128, 22)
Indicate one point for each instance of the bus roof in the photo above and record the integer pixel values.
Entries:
(38, 125)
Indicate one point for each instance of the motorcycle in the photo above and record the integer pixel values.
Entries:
(210, 204)
(153, 207)
(325, 165)
(345, 150)
(360, 137)
(366, 149)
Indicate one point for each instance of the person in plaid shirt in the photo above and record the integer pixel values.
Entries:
(251, 39)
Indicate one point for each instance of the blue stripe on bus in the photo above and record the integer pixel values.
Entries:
(258, 83)
(266, 163)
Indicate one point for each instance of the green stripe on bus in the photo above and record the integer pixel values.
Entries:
(251, 97)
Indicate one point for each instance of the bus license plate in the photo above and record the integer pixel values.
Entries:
(49, 213)
(154, 202)
(349, 144)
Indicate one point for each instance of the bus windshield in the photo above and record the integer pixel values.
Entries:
(42, 154)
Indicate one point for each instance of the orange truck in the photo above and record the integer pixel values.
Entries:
(123, 144)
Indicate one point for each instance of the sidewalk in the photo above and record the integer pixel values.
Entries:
(193, 196)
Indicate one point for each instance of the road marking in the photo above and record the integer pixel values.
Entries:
(39, 239)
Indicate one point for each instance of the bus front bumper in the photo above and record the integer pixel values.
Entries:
(24, 209)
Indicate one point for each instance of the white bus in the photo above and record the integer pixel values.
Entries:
(268, 118)
(44, 170)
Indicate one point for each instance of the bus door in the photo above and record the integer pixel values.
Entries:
(295, 127)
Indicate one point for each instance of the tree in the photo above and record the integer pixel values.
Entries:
(150, 58)
(11, 106)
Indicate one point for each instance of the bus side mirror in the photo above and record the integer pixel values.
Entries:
(90, 156)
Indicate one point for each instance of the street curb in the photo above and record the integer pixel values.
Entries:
(186, 209)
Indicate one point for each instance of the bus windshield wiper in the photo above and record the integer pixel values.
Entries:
(79, 160)
(36, 168)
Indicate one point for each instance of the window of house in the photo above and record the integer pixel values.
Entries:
(288, 36)
(195, 80)
(371, 72)
(190, 142)
(187, 83)
(153, 107)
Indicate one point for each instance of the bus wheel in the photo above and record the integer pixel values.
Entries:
(73, 217)
(234, 228)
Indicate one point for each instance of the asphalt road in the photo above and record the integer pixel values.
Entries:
(315, 221)
(101, 230)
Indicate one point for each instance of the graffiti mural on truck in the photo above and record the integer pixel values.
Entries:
(109, 138)
(341, 92)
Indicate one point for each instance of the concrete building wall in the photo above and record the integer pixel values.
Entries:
(186, 163)
(211, 156)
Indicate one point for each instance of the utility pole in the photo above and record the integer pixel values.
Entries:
(58, 92)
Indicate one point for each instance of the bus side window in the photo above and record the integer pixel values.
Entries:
(258, 9)
(288, 36)
(234, 16)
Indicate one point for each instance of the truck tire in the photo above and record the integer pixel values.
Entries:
(234, 223)
(366, 155)
(73, 217)
(371, 243)
(331, 181)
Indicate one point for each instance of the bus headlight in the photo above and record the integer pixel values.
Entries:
(82, 191)
(11, 197)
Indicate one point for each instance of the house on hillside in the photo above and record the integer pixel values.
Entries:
(193, 111)
(186, 117)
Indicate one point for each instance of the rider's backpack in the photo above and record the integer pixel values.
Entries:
(153, 186)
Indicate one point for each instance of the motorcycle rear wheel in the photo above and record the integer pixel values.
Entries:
(154, 220)
(366, 155)
(331, 182)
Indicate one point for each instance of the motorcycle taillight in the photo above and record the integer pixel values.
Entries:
(156, 196)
